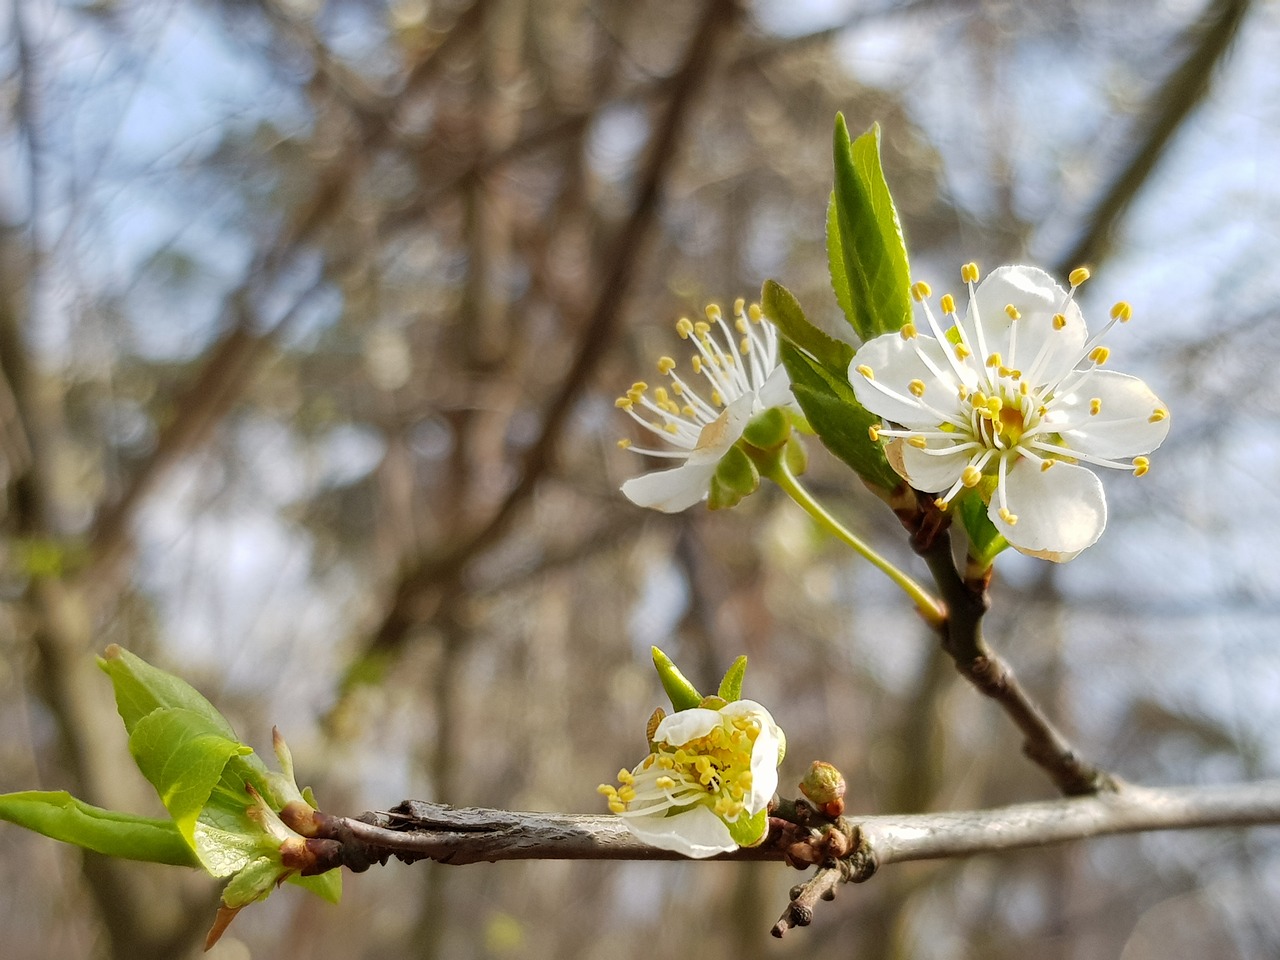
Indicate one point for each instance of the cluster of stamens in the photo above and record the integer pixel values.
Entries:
(1007, 410)
(732, 360)
(714, 770)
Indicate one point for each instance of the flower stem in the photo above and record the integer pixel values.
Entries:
(930, 607)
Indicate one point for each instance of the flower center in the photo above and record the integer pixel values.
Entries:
(714, 770)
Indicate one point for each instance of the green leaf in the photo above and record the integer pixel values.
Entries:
(58, 815)
(835, 263)
(731, 685)
(749, 831)
(783, 310)
(141, 688)
(837, 418)
(871, 262)
(327, 884)
(183, 755)
(985, 541)
(683, 694)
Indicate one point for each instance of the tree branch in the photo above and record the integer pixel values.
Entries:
(847, 849)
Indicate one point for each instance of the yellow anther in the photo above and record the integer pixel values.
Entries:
(697, 364)
(866, 371)
(713, 312)
(1007, 517)
(908, 331)
(716, 399)
(684, 327)
(740, 324)
(1015, 374)
(677, 388)
(625, 776)
(873, 432)
(702, 328)
(664, 783)
(941, 504)
(1160, 413)
(921, 290)
(1046, 464)
(1099, 355)
(671, 428)
(919, 442)
(916, 387)
(969, 273)
(948, 304)
(739, 306)
(1078, 276)
(660, 396)
(995, 360)
(623, 403)
(754, 313)
(994, 406)
(963, 352)
(1122, 311)
(666, 365)
(1041, 410)
(1140, 466)
(627, 794)
(1024, 388)
(963, 393)
(624, 443)
(687, 411)
(744, 346)
(1012, 312)
(1059, 321)
(1095, 406)
(971, 476)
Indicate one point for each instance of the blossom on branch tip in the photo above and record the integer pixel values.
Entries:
(706, 786)
(1012, 402)
(743, 377)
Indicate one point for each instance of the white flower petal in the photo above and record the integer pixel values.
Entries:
(1060, 511)
(895, 363)
(695, 832)
(1122, 426)
(766, 753)
(930, 472)
(671, 490)
(685, 725)
(1037, 298)
(776, 392)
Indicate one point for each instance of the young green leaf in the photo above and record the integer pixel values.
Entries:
(837, 418)
(868, 257)
(141, 688)
(58, 815)
(683, 694)
(183, 754)
(784, 311)
(731, 685)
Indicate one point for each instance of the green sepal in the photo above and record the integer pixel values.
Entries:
(58, 815)
(749, 831)
(836, 417)
(796, 456)
(783, 309)
(985, 541)
(736, 477)
(865, 250)
(768, 429)
(682, 694)
(731, 685)
(254, 881)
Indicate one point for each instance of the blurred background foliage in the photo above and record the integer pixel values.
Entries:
(312, 315)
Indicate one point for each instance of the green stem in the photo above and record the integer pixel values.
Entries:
(929, 606)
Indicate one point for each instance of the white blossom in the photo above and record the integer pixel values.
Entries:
(1013, 400)
(708, 769)
(742, 376)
